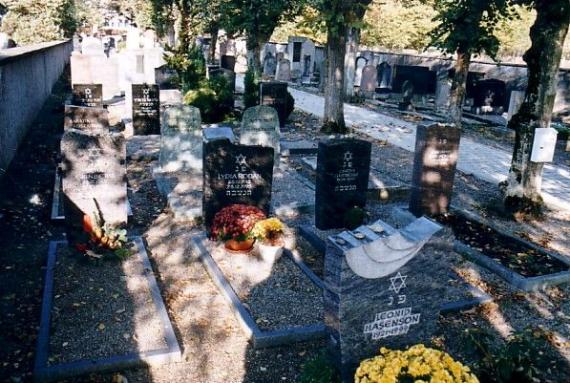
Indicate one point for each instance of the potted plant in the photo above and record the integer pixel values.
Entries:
(234, 224)
(269, 234)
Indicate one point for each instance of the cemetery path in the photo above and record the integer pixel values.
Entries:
(484, 162)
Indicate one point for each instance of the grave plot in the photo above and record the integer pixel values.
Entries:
(101, 316)
(275, 301)
(519, 262)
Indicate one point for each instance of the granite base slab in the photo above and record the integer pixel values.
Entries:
(45, 372)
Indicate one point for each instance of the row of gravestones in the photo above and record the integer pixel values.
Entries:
(243, 174)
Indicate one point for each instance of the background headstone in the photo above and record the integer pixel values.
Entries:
(283, 70)
(90, 95)
(260, 126)
(274, 94)
(94, 179)
(235, 174)
(435, 160)
(269, 64)
(442, 91)
(360, 64)
(146, 109)
(94, 120)
(181, 139)
(369, 80)
(228, 62)
(343, 167)
(396, 311)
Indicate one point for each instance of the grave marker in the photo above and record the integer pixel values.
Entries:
(146, 109)
(86, 119)
(369, 80)
(235, 174)
(181, 139)
(90, 95)
(274, 93)
(260, 126)
(343, 167)
(435, 160)
(283, 70)
(379, 294)
(94, 180)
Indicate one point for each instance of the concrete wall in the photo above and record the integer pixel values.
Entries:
(27, 75)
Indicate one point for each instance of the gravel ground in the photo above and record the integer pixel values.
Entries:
(101, 309)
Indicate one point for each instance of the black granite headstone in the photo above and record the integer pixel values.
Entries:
(228, 62)
(343, 167)
(86, 119)
(93, 179)
(435, 160)
(146, 109)
(274, 93)
(90, 95)
(235, 174)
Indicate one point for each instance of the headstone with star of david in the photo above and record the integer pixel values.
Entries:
(90, 95)
(146, 109)
(343, 166)
(395, 304)
(235, 174)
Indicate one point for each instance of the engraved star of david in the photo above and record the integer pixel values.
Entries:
(398, 282)
(241, 159)
(348, 156)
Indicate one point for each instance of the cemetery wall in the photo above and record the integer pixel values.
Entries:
(27, 75)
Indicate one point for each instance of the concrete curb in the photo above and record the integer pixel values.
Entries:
(45, 373)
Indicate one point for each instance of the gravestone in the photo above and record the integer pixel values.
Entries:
(283, 70)
(90, 95)
(181, 139)
(94, 180)
(384, 75)
(235, 174)
(369, 80)
(407, 96)
(379, 293)
(343, 166)
(274, 94)
(260, 126)
(490, 94)
(94, 120)
(269, 65)
(443, 91)
(146, 109)
(228, 62)
(435, 160)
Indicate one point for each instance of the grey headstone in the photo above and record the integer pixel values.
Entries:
(260, 126)
(369, 80)
(86, 119)
(94, 179)
(283, 70)
(269, 64)
(181, 139)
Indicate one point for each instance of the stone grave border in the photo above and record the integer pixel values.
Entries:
(512, 277)
(261, 338)
(479, 296)
(44, 373)
(56, 200)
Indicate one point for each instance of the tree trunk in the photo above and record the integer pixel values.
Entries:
(458, 88)
(214, 28)
(253, 46)
(184, 33)
(523, 185)
(334, 88)
(352, 40)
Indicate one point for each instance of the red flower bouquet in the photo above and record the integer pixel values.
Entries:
(235, 222)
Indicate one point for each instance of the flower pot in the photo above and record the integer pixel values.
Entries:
(241, 246)
(269, 252)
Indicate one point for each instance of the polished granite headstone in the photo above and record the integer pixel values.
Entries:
(90, 95)
(435, 160)
(146, 109)
(87, 119)
(343, 167)
(274, 93)
(385, 289)
(235, 174)
(94, 179)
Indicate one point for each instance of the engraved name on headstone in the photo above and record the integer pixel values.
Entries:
(435, 160)
(86, 119)
(146, 109)
(343, 167)
(90, 95)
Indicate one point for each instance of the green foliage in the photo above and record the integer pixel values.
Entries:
(319, 370)
(468, 26)
(189, 65)
(251, 89)
(35, 21)
(518, 360)
(213, 97)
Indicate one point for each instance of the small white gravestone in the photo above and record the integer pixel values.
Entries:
(544, 145)
(181, 139)
(260, 126)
